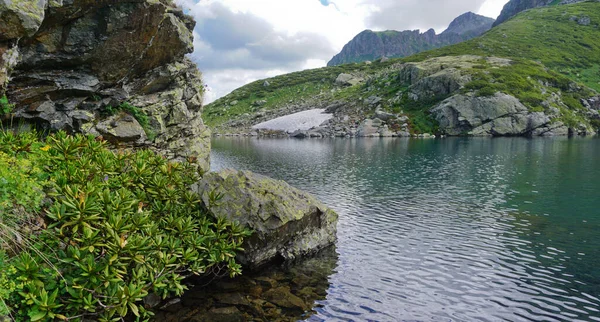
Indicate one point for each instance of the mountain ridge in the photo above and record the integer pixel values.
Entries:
(370, 45)
(537, 74)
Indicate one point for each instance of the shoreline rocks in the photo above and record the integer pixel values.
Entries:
(497, 115)
(279, 293)
(287, 223)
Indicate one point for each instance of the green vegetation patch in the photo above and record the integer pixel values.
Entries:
(549, 35)
(121, 225)
(5, 106)
(280, 90)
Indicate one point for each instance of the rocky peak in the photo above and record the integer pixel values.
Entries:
(469, 22)
(371, 45)
(77, 62)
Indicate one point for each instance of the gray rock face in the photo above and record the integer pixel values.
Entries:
(20, 18)
(584, 20)
(369, 128)
(441, 83)
(287, 222)
(78, 58)
(441, 76)
(347, 80)
(17, 19)
(385, 116)
(373, 100)
(369, 45)
(121, 128)
(499, 115)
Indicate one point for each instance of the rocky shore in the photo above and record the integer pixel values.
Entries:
(463, 112)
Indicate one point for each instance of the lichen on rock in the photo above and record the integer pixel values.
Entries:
(286, 222)
(86, 57)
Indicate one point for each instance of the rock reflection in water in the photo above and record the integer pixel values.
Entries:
(282, 293)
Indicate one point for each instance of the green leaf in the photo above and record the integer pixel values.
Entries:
(134, 309)
(36, 315)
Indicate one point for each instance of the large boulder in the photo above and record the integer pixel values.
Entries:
(347, 80)
(369, 128)
(17, 19)
(87, 57)
(442, 83)
(121, 128)
(286, 222)
(20, 18)
(498, 115)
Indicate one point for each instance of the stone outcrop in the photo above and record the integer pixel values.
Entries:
(286, 222)
(444, 87)
(498, 115)
(347, 80)
(78, 61)
(369, 45)
(17, 19)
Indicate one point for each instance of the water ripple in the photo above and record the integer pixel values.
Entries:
(449, 230)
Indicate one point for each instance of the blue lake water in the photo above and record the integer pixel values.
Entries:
(456, 229)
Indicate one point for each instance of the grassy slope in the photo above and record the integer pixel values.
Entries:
(546, 35)
(546, 45)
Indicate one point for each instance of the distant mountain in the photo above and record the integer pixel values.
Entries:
(515, 6)
(370, 45)
(535, 74)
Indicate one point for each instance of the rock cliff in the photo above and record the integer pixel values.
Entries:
(115, 68)
(370, 45)
(513, 7)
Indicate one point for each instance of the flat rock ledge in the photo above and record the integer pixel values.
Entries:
(287, 223)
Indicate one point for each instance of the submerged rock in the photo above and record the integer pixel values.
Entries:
(282, 297)
(287, 222)
(285, 293)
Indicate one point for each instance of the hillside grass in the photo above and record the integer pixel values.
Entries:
(281, 90)
(549, 35)
(547, 45)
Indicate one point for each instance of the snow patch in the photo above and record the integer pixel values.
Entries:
(298, 121)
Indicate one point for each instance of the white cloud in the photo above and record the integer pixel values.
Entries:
(492, 8)
(239, 41)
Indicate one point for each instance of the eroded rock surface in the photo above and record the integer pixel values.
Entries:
(498, 115)
(287, 222)
(80, 60)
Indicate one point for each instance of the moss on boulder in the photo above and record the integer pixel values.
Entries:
(287, 223)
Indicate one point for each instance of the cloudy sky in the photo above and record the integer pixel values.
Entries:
(239, 41)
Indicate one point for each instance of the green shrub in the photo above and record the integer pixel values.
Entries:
(477, 84)
(486, 91)
(121, 225)
(5, 106)
(7, 285)
(571, 101)
(21, 183)
(421, 123)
